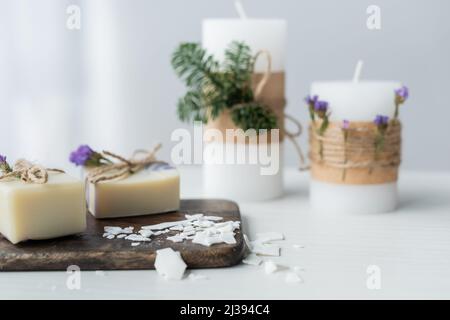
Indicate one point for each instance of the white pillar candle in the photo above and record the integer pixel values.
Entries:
(259, 34)
(355, 101)
(118, 110)
(244, 181)
(106, 117)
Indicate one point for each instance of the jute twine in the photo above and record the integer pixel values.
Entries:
(292, 135)
(355, 148)
(29, 172)
(125, 167)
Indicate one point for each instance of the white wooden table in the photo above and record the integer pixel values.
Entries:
(411, 248)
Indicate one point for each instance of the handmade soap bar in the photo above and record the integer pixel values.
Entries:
(30, 211)
(155, 189)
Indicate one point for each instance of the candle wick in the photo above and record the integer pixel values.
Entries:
(240, 9)
(358, 70)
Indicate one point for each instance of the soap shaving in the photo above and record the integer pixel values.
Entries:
(252, 259)
(293, 277)
(270, 267)
(263, 246)
(196, 277)
(269, 236)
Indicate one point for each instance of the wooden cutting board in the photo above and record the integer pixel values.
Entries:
(90, 251)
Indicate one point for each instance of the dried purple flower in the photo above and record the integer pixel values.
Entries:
(4, 165)
(400, 97)
(345, 124)
(311, 99)
(402, 93)
(85, 156)
(81, 155)
(382, 123)
(321, 106)
(381, 120)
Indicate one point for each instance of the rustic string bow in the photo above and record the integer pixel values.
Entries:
(124, 167)
(29, 172)
(291, 135)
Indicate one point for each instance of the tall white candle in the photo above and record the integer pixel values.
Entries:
(355, 101)
(244, 181)
(118, 96)
(259, 34)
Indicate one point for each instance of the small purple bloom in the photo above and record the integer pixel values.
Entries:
(345, 124)
(381, 120)
(81, 155)
(321, 106)
(4, 165)
(312, 100)
(402, 93)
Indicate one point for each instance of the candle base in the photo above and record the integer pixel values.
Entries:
(353, 199)
(242, 182)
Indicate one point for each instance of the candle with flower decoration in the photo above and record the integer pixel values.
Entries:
(355, 145)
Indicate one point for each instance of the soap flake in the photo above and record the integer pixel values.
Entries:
(165, 225)
(266, 249)
(269, 237)
(169, 264)
(196, 277)
(270, 267)
(252, 259)
(292, 277)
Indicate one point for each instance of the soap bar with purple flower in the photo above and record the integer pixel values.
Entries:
(119, 187)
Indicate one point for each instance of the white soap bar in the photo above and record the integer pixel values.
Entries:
(30, 211)
(153, 190)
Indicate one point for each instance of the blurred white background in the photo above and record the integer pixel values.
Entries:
(111, 85)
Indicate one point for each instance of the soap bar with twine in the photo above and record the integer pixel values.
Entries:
(39, 203)
(121, 187)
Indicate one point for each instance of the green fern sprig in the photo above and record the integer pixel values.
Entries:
(253, 116)
(212, 87)
(192, 64)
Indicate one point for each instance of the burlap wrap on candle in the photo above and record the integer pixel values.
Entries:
(354, 160)
(272, 95)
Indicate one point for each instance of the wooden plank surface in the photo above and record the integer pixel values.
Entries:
(90, 251)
